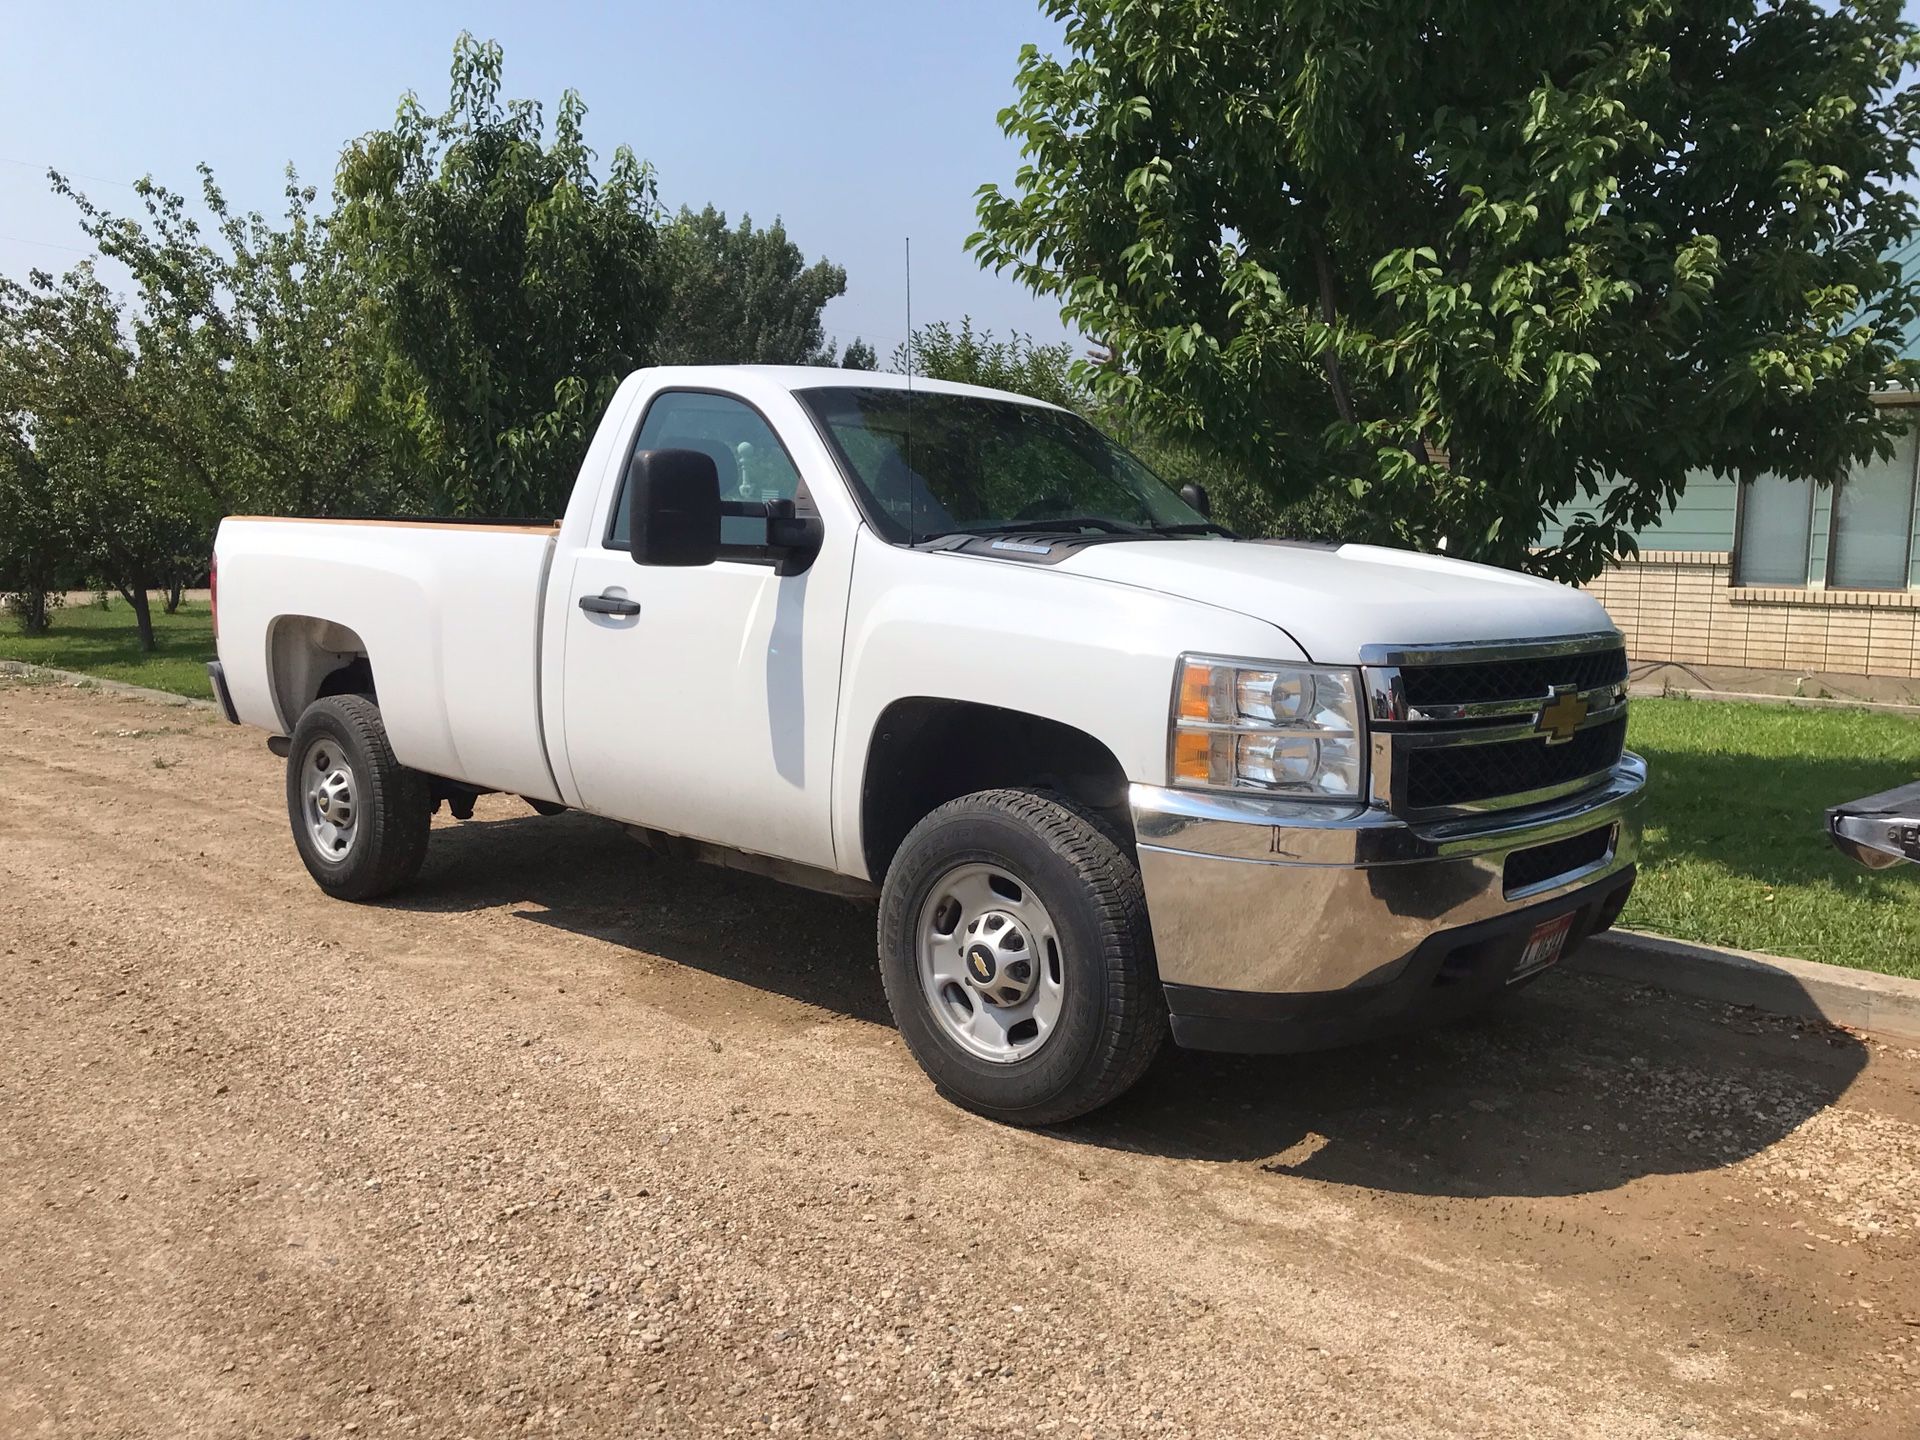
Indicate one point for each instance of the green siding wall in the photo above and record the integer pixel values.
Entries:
(1702, 518)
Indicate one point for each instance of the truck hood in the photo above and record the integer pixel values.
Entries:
(1335, 599)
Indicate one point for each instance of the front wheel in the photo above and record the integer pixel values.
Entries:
(1017, 959)
(360, 817)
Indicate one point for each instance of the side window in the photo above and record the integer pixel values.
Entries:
(1776, 518)
(1873, 522)
(751, 462)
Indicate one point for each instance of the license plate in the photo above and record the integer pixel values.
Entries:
(1543, 947)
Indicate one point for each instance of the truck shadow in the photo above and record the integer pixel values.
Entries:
(588, 878)
(1579, 1083)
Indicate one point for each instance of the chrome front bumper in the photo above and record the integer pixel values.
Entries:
(1257, 904)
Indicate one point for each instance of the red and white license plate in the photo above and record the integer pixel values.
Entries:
(1543, 947)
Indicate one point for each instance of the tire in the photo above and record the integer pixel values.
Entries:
(380, 844)
(1053, 875)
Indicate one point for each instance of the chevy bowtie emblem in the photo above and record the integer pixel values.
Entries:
(1560, 719)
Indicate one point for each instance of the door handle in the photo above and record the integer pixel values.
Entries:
(609, 605)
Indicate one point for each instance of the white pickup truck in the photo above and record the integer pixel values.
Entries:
(1110, 771)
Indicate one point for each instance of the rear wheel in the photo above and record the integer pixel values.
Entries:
(1017, 959)
(360, 818)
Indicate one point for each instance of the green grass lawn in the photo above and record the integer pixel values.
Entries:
(1736, 849)
(107, 643)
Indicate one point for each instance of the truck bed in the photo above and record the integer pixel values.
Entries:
(453, 608)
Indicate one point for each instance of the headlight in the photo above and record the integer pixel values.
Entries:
(1285, 729)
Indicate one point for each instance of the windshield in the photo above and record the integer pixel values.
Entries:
(975, 464)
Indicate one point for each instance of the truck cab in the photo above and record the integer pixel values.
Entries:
(1113, 774)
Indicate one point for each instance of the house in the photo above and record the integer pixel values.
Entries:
(1781, 574)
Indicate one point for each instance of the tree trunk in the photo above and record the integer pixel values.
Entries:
(30, 606)
(136, 596)
(174, 588)
(34, 617)
(1330, 362)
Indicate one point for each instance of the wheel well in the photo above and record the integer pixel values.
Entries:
(926, 752)
(309, 658)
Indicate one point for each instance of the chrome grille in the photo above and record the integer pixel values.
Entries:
(1484, 680)
(1488, 727)
(1444, 776)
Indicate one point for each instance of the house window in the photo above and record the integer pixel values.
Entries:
(1776, 519)
(1873, 521)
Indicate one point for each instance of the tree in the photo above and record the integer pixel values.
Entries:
(126, 430)
(511, 286)
(273, 364)
(1582, 247)
(82, 399)
(859, 355)
(974, 357)
(1049, 372)
(35, 542)
(742, 296)
(232, 382)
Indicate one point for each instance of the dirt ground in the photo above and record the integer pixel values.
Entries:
(574, 1141)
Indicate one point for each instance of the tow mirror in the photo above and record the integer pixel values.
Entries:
(673, 508)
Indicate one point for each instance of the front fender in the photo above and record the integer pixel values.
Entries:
(1035, 639)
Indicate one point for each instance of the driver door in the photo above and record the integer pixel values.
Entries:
(700, 700)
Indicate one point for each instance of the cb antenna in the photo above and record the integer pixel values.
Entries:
(913, 530)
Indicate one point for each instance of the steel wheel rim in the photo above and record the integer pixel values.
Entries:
(330, 800)
(991, 968)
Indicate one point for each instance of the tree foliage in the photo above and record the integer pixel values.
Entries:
(1018, 363)
(512, 286)
(271, 362)
(741, 296)
(230, 379)
(858, 355)
(35, 539)
(80, 400)
(443, 340)
(1023, 366)
(1579, 248)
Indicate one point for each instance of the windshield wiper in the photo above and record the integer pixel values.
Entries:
(1050, 527)
(1198, 527)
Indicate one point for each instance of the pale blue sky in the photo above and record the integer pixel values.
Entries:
(859, 122)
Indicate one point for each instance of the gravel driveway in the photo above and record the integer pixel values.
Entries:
(575, 1141)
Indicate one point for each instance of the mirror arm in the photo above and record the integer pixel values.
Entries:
(792, 538)
(787, 528)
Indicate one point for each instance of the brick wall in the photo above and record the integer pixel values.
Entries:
(1681, 605)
